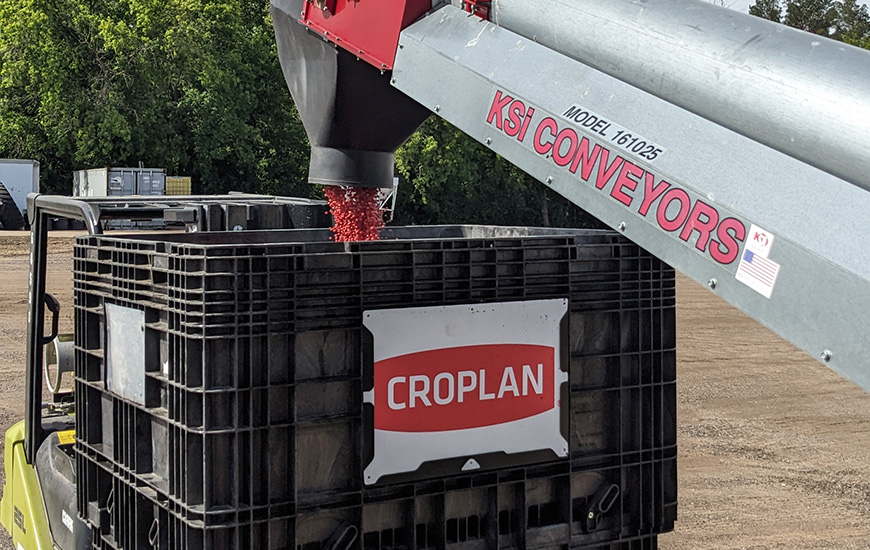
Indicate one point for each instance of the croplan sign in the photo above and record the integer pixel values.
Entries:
(465, 381)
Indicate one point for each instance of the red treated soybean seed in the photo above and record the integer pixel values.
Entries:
(356, 213)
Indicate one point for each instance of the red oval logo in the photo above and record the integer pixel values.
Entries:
(464, 387)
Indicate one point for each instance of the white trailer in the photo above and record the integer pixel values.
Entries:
(18, 178)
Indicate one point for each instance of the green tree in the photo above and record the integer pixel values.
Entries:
(451, 178)
(767, 9)
(815, 16)
(844, 20)
(190, 85)
(852, 23)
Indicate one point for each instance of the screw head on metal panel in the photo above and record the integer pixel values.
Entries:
(712, 284)
(488, 141)
(392, 81)
(438, 108)
(549, 179)
(621, 226)
(826, 355)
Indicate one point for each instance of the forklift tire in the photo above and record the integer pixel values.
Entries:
(10, 216)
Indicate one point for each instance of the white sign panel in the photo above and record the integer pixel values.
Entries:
(463, 381)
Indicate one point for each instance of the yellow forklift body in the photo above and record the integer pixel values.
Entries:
(21, 509)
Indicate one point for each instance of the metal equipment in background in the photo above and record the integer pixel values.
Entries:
(232, 212)
(18, 178)
(179, 185)
(387, 197)
(119, 182)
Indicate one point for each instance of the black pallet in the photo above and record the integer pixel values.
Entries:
(256, 437)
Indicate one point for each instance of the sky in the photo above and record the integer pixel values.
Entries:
(739, 5)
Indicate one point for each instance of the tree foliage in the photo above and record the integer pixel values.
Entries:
(190, 85)
(451, 178)
(195, 86)
(845, 20)
(815, 16)
(767, 9)
(851, 23)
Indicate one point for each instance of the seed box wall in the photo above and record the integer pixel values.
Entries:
(220, 384)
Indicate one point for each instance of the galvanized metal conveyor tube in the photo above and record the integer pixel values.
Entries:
(795, 92)
(525, 101)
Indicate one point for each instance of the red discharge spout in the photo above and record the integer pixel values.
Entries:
(356, 211)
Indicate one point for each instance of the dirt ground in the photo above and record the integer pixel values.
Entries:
(773, 446)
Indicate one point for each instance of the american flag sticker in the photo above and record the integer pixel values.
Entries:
(757, 272)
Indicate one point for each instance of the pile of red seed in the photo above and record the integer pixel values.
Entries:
(356, 212)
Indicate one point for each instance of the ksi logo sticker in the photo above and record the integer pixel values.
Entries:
(464, 381)
(755, 269)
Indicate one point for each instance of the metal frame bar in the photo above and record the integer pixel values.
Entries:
(91, 210)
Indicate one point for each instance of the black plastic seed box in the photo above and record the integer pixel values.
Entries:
(230, 390)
